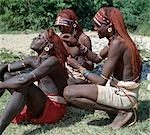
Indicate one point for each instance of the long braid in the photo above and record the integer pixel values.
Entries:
(116, 18)
(60, 51)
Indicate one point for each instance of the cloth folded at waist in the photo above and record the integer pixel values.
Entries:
(129, 85)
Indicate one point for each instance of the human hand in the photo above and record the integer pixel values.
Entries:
(73, 63)
(69, 39)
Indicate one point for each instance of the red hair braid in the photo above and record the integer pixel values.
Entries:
(60, 51)
(116, 18)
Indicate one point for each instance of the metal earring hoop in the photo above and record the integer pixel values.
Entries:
(46, 49)
(74, 25)
(110, 29)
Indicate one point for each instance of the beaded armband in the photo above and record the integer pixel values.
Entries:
(83, 49)
(86, 73)
(34, 76)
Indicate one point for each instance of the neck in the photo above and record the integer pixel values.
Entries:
(112, 37)
(78, 33)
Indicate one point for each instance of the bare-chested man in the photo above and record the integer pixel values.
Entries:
(42, 104)
(122, 67)
(67, 21)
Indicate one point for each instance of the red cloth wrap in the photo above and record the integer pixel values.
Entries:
(52, 113)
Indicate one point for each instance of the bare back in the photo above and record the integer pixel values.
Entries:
(120, 56)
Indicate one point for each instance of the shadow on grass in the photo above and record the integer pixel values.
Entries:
(143, 114)
(100, 122)
(72, 116)
(144, 110)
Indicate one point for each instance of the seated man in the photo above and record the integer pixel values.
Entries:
(122, 68)
(67, 21)
(42, 104)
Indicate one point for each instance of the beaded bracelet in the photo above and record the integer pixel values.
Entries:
(86, 73)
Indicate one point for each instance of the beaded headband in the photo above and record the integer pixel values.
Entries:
(99, 19)
(63, 21)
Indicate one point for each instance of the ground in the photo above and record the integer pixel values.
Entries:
(78, 121)
(21, 42)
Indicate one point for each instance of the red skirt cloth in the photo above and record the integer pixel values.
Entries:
(52, 113)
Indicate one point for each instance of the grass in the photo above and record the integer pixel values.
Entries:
(80, 122)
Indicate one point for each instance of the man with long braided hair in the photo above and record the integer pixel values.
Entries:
(42, 104)
(122, 68)
(67, 22)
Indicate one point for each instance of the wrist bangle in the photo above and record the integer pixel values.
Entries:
(23, 64)
(86, 73)
(104, 77)
(100, 57)
(34, 76)
(8, 67)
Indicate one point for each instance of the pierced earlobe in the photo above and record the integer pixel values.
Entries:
(46, 48)
(109, 29)
(74, 25)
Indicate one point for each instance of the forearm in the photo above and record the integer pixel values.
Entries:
(95, 79)
(48, 66)
(17, 81)
(95, 58)
(16, 66)
(88, 65)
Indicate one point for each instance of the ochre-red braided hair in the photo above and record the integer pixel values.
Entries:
(70, 14)
(60, 51)
(116, 18)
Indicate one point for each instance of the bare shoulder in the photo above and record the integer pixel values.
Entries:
(118, 44)
(52, 59)
(83, 36)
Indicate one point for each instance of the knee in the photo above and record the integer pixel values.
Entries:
(69, 93)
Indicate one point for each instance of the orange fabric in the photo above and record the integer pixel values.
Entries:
(116, 18)
(52, 113)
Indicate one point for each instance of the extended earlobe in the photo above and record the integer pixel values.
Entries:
(109, 29)
(74, 25)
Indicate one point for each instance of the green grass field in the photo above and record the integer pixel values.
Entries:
(81, 122)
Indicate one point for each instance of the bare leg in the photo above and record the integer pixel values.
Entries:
(14, 106)
(121, 119)
(32, 96)
(35, 97)
(85, 96)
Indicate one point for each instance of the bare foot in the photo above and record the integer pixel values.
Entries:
(121, 119)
